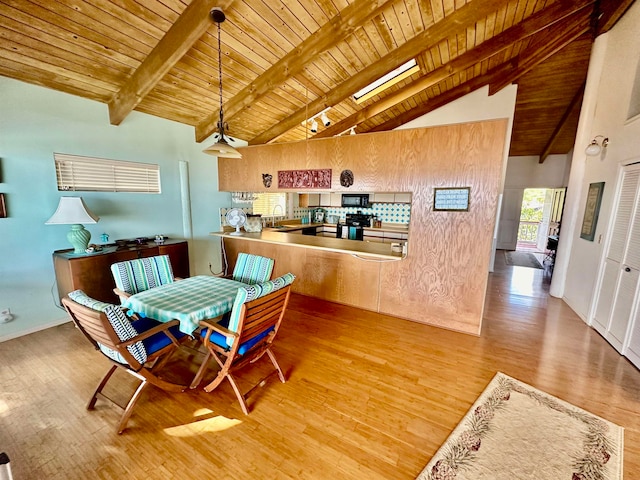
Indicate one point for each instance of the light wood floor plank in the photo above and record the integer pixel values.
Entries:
(367, 396)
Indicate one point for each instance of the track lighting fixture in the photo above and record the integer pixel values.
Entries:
(314, 120)
(595, 147)
(353, 131)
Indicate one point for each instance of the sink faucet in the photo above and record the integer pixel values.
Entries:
(273, 214)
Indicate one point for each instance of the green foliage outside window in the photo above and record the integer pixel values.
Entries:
(532, 205)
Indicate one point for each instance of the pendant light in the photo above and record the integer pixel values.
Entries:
(221, 148)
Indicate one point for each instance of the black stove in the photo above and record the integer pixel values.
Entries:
(354, 225)
(358, 219)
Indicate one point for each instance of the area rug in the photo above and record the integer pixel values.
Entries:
(514, 431)
(521, 259)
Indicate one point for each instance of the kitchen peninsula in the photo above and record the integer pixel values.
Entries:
(288, 237)
(442, 281)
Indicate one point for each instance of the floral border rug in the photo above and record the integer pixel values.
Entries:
(514, 431)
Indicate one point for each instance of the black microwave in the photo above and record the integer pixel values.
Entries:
(355, 200)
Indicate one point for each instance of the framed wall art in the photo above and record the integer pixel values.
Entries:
(3, 206)
(451, 199)
(304, 178)
(591, 211)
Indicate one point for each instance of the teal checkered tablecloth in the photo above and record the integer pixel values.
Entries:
(189, 300)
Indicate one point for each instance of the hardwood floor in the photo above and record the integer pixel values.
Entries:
(367, 396)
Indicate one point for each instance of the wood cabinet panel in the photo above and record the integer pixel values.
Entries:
(92, 273)
(402, 197)
(179, 256)
(383, 197)
(336, 277)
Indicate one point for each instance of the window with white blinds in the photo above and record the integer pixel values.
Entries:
(89, 174)
(265, 203)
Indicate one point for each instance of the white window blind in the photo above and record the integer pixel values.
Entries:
(89, 174)
(265, 203)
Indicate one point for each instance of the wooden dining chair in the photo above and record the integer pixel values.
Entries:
(252, 269)
(246, 335)
(140, 348)
(140, 274)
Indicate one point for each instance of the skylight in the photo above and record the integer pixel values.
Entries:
(384, 82)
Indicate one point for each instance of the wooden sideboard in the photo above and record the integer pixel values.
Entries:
(91, 272)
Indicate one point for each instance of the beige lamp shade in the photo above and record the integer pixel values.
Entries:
(222, 149)
(73, 211)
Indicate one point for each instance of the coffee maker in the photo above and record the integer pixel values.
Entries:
(318, 215)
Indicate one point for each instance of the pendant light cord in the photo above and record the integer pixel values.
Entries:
(220, 121)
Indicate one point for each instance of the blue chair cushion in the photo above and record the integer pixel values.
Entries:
(138, 275)
(221, 340)
(251, 292)
(159, 340)
(252, 269)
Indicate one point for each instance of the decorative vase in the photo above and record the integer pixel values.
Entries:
(79, 238)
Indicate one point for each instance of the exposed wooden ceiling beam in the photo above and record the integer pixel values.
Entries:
(558, 37)
(340, 26)
(575, 103)
(535, 23)
(189, 27)
(465, 16)
(447, 97)
(611, 10)
(531, 57)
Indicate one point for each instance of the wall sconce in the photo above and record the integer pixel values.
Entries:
(595, 147)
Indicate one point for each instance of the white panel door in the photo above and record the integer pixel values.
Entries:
(618, 292)
(632, 351)
(621, 315)
(510, 218)
(602, 317)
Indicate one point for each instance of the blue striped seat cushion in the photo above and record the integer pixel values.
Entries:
(252, 269)
(141, 274)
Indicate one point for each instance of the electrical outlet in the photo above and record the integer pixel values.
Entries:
(5, 315)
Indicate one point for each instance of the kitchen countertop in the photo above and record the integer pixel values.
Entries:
(357, 248)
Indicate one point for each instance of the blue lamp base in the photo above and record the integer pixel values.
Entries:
(79, 238)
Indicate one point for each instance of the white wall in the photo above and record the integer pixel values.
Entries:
(610, 79)
(35, 122)
(528, 172)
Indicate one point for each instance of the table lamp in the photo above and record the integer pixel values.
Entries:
(73, 211)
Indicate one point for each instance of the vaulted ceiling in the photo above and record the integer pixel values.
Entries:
(287, 60)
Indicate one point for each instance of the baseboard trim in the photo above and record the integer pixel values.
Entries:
(29, 331)
(582, 317)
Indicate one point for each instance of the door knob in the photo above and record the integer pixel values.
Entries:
(627, 269)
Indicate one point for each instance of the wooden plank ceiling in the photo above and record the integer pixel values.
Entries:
(286, 60)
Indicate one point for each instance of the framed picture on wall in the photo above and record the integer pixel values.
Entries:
(451, 199)
(591, 211)
(3, 207)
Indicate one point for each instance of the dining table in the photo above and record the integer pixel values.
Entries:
(188, 300)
